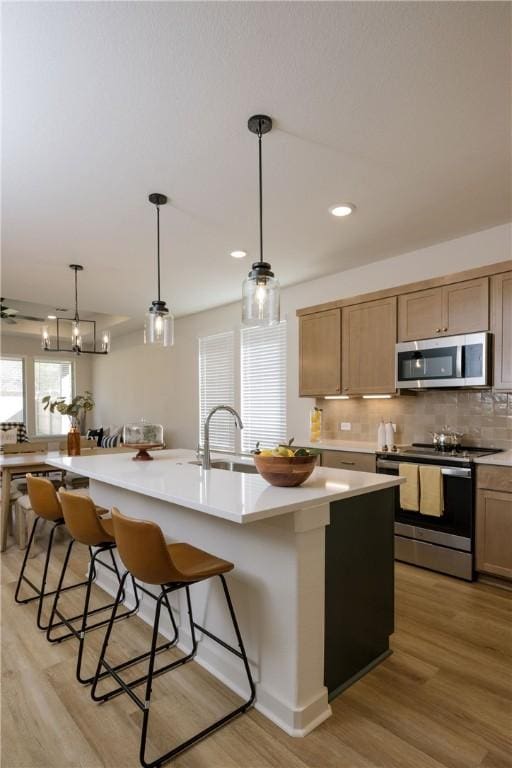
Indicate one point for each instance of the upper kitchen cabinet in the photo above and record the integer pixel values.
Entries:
(320, 353)
(466, 307)
(368, 347)
(420, 314)
(501, 325)
(446, 310)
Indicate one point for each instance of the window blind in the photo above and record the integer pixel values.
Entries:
(263, 385)
(217, 387)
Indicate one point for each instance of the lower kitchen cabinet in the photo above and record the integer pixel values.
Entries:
(494, 521)
(361, 462)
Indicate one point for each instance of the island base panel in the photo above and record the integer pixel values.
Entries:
(359, 587)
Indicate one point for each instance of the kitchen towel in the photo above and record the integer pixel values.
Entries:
(431, 491)
(409, 491)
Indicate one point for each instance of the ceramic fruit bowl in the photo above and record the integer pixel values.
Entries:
(285, 471)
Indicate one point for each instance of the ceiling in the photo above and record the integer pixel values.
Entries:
(401, 108)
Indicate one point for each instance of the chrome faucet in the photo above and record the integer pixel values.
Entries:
(206, 440)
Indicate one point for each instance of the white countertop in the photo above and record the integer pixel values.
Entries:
(503, 459)
(357, 446)
(235, 496)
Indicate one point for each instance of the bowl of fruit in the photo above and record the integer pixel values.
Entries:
(285, 466)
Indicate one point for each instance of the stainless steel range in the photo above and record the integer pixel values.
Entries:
(446, 543)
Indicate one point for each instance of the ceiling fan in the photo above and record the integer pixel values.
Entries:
(11, 315)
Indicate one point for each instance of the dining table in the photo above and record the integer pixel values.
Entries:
(18, 465)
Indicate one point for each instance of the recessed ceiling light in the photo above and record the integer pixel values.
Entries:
(238, 254)
(52, 317)
(342, 209)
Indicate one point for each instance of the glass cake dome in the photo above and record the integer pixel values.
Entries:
(142, 432)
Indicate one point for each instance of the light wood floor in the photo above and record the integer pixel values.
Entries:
(444, 698)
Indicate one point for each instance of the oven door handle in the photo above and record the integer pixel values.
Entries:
(450, 471)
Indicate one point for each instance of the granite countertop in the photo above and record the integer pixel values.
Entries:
(235, 496)
(503, 459)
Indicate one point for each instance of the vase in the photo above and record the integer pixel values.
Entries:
(74, 442)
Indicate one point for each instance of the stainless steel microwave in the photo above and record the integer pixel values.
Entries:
(450, 361)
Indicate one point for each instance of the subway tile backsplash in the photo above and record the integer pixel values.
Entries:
(484, 417)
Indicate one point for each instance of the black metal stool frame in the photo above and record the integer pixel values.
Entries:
(41, 594)
(80, 633)
(144, 705)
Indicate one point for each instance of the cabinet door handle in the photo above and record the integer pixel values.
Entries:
(444, 329)
(438, 330)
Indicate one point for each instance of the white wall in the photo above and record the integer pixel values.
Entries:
(30, 349)
(135, 382)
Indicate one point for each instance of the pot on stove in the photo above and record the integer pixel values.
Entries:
(447, 439)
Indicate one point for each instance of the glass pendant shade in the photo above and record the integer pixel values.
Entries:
(260, 298)
(159, 328)
(45, 337)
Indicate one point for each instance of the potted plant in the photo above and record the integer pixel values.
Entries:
(78, 406)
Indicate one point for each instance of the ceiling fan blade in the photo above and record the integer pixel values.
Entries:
(30, 317)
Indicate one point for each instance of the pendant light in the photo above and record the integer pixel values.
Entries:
(260, 291)
(78, 327)
(159, 327)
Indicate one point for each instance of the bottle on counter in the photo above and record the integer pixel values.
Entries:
(315, 424)
(381, 435)
(390, 435)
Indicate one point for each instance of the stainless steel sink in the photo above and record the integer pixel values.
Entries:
(230, 466)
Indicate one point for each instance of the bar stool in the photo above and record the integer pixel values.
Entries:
(46, 507)
(142, 548)
(86, 527)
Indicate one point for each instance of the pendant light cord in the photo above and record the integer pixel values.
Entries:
(158, 247)
(76, 296)
(261, 193)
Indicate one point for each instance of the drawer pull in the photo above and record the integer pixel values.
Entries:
(348, 463)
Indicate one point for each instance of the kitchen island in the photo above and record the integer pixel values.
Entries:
(313, 579)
